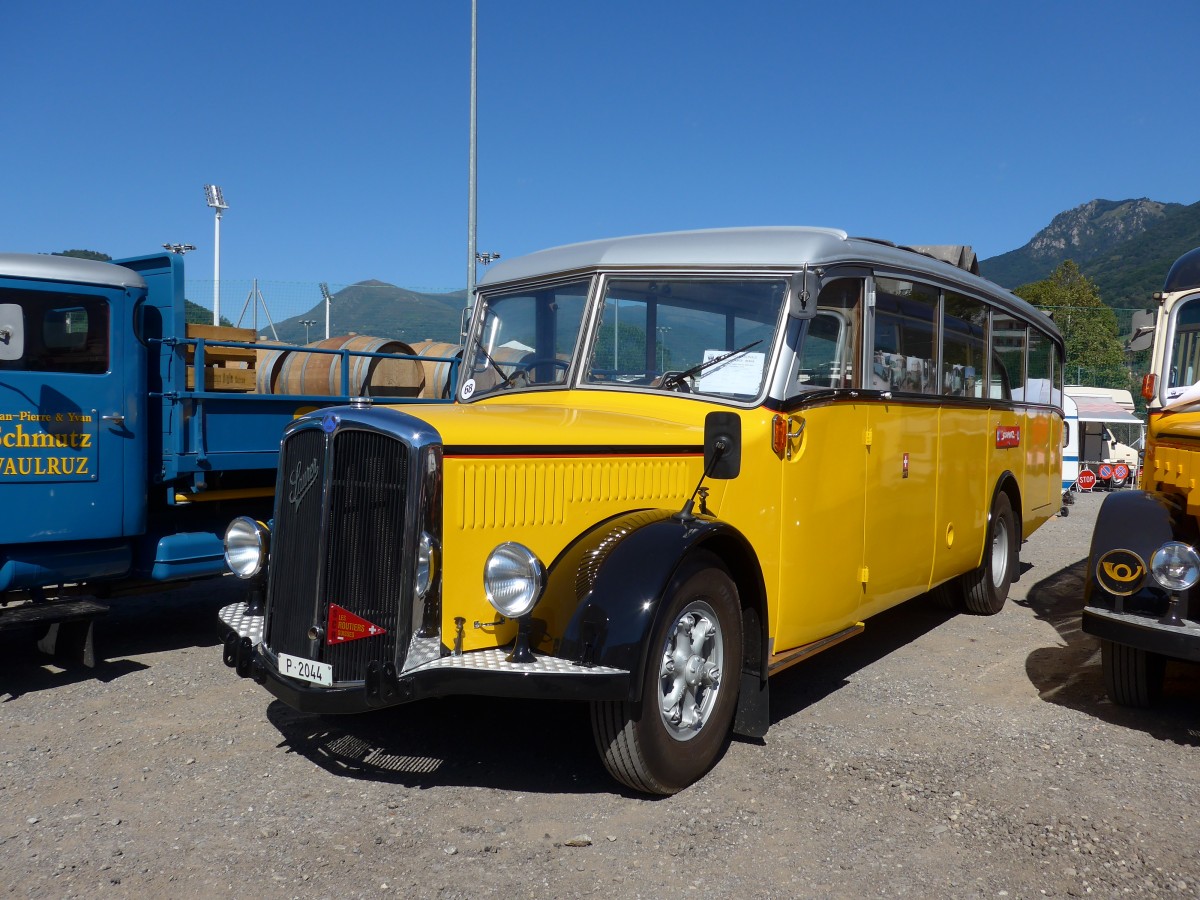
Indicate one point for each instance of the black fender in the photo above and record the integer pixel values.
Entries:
(619, 573)
(1138, 523)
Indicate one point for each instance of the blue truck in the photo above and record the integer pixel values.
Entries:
(129, 439)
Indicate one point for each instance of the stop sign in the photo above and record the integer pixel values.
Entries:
(1086, 479)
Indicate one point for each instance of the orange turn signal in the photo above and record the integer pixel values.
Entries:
(779, 433)
(1148, 386)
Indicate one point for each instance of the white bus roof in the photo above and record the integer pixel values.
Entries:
(766, 247)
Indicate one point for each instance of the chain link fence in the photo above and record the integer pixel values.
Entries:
(295, 310)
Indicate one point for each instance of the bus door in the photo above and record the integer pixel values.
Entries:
(901, 444)
(821, 538)
(66, 426)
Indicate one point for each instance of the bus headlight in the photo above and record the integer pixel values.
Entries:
(246, 546)
(512, 579)
(1175, 566)
(426, 565)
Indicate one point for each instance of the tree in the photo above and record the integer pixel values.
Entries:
(1088, 326)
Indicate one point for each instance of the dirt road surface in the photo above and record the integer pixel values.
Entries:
(934, 756)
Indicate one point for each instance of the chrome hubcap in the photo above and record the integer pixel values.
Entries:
(999, 553)
(689, 675)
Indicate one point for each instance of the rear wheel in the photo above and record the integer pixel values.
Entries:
(1132, 676)
(986, 589)
(675, 733)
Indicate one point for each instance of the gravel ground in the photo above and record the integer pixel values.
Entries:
(935, 755)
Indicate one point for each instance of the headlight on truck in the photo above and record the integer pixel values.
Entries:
(1175, 566)
(246, 545)
(512, 579)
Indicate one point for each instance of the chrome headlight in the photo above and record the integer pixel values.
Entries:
(1175, 566)
(512, 579)
(246, 546)
(426, 565)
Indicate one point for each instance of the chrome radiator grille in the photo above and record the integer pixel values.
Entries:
(359, 501)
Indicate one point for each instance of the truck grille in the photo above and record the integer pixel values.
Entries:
(359, 501)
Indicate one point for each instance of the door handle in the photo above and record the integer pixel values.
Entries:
(115, 419)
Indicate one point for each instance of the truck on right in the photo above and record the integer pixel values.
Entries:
(1140, 598)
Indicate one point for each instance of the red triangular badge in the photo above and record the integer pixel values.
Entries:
(346, 626)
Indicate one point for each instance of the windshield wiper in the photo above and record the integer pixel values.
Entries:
(673, 379)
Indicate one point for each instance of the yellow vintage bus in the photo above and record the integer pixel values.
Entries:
(676, 465)
(1143, 562)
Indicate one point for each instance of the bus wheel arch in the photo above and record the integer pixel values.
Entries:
(680, 724)
(986, 588)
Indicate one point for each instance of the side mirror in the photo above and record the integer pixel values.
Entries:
(12, 332)
(802, 298)
(722, 445)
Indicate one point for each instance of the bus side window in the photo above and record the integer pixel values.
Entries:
(964, 343)
(1008, 358)
(829, 355)
(905, 352)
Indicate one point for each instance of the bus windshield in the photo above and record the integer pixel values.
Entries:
(1184, 357)
(701, 335)
(691, 335)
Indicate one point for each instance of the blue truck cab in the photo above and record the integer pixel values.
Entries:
(120, 464)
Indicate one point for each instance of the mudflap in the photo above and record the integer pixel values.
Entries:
(70, 635)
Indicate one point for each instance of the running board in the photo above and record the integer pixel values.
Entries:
(780, 661)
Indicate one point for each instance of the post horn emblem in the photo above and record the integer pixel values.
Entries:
(1121, 572)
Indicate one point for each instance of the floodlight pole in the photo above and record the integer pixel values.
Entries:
(325, 295)
(216, 200)
(217, 269)
(471, 168)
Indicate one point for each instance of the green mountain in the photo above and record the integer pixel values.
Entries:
(1125, 247)
(1130, 272)
(379, 309)
(1082, 234)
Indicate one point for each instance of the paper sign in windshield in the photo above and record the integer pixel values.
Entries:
(740, 374)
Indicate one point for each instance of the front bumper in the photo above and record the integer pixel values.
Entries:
(1144, 632)
(479, 672)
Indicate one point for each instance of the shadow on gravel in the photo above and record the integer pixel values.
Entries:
(1071, 675)
(535, 746)
(134, 626)
(507, 744)
(826, 673)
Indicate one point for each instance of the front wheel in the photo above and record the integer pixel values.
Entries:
(1132, 676)
(675, 733)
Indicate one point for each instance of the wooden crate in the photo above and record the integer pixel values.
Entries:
(222, 379)
(223, 356)
(225, 368)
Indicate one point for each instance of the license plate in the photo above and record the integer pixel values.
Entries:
(306, 669)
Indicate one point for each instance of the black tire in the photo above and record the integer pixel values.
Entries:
(986, 588)
(640, 745)
(1132, 676)
(948, 595)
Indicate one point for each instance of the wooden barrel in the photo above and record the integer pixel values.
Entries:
(321, 373)
(266, 368)
(437, 372)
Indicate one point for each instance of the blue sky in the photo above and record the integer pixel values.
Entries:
(339, 131)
